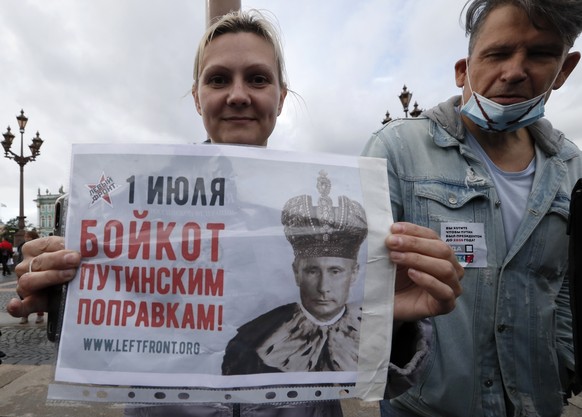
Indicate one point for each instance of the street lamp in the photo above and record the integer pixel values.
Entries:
(405, 98)
(416, 112)
(387, 119)
(21, 160)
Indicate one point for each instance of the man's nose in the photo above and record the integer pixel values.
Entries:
(324, 282)
(515, 69)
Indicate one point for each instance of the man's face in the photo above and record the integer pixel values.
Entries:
(513, 61)
(324, 284)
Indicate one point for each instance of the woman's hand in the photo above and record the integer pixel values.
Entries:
(45, 263)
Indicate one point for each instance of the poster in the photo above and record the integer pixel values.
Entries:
(205, 268)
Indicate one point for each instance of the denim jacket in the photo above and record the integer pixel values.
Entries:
(502, 350)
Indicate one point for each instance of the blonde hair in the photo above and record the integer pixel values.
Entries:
(251, 21)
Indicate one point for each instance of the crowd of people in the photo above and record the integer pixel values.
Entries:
(499, 341)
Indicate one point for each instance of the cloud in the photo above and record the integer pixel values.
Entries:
(110, 71)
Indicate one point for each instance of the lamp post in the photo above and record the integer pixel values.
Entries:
(21, 160)
(416, 111)
(387, 118)
(405, 99)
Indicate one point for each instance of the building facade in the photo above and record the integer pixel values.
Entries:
(45, 204)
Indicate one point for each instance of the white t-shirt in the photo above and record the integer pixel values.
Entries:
(513, 189)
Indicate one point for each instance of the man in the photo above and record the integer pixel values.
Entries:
(484, 170)
(321, 332)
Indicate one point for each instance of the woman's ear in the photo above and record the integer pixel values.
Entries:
(282, 96)
(196, 99)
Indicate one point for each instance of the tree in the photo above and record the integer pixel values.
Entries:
(11, 227)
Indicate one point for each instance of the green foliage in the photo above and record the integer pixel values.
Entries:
(11, 227)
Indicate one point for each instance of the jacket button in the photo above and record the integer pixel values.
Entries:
(452, 199)
(489, 383)
(501, 328)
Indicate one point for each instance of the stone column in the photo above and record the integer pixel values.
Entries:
(217, 8)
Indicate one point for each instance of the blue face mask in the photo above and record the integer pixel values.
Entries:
(494, 117)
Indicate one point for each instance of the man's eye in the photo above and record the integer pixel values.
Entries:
(496, 55)
(543, 54)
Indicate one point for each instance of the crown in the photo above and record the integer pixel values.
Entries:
(324, 230)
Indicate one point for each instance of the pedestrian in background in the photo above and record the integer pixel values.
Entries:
(2, 354)
(6, 253)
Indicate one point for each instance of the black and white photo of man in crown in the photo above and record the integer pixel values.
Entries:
(321, 331)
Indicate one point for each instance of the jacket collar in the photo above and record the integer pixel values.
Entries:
(446, 115)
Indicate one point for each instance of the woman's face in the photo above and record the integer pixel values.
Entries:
(238, 93)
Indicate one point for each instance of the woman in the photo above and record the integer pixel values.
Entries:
(239, 81)
(239, 90)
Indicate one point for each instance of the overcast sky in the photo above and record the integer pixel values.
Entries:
(121, 71)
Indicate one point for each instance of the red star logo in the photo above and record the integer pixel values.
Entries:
(101, 190)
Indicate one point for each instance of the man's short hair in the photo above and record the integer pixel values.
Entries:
(564, 17)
